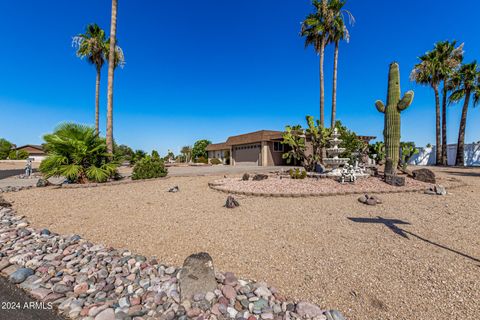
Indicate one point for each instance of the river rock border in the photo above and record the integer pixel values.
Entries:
(92, 282)
(217, 187)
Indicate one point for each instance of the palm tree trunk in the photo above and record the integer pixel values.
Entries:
(322, 83)
(97, 101)
(460, 159)
(334, 90)
(111, 69)
(437, 127)
(444, 125)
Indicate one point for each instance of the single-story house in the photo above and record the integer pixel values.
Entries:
(259, 148)
(35, 151)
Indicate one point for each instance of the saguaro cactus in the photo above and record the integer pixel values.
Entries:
(395, 105)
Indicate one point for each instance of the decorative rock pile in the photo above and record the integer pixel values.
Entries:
(14, 189)
(437, 189)
(369, 200)
(92, 282)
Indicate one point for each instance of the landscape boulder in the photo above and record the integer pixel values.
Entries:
(437, 189)
(425, 175)
(334, 315)
(369, 200)
(231, 202)
(259, 177)
(174, 189)
(4, 203)
(42, 183)
(394, 180)
(197, 276)
(245, 177)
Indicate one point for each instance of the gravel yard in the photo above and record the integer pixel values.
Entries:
(416, 256)
(276, 185)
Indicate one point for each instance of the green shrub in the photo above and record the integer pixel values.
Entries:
(149, 168)
(202, 160)
(5, 147)
(215, 161)
(297, 173)
(199, 148)
(77, 153)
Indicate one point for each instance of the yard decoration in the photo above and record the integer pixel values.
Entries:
(391, 131)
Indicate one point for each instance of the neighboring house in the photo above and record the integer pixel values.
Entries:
(259, 148)
(35, 151)
(218, 150)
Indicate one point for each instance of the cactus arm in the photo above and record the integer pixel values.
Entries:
(406, 101)
(380, 106)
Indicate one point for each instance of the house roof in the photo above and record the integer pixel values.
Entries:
(257, 136)
(217, 146)
(33, 146)
(366, 138)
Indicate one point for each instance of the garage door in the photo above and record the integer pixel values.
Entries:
(247, 155)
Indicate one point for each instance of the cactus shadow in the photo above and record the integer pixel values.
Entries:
(392, 225)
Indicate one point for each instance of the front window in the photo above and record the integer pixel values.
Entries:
(278, 147)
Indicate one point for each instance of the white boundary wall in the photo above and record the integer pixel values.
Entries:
(426, 156)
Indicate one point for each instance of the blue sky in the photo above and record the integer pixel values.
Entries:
(214, 68)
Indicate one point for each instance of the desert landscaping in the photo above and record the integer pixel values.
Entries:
(316, 249)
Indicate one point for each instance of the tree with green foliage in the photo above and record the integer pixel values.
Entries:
(91, 45)
(138, 155)
(155, 154)
(5, 147)
(77, 153)
(337, 32)
(315, 31)
(199, 149)
(436, 67)
(186, 152)
(296, 138)
(466, 85)
(377, 149)
(18, 155)
(122, 153)
(427, 72)
(450, 58)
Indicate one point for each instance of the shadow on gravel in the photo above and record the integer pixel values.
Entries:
(464, 174)
(391, 224)
(16, 304)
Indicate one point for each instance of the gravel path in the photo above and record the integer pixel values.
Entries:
(307, 247)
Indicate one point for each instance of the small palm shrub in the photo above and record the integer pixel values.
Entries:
(215, 161)
(77, 153)
(297, 173)
(149, 168)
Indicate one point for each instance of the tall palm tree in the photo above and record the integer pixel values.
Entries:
(338, 31)
(314, 29)
(427, 72)
(91, 45)
(111, 69)
(450, 57)
(466, 82)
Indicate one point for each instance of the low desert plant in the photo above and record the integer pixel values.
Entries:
(215, 161)
(202, 160)
(149, 168)
(297, 173)
(77, 153)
